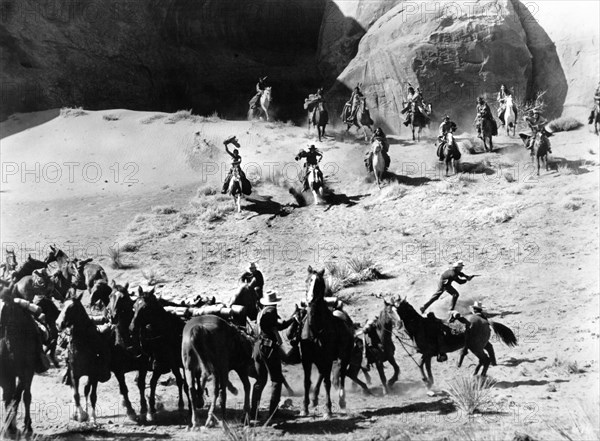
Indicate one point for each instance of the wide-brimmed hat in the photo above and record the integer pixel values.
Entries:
(477, 306)
(270, 298)
(312, 147)
(458, 263)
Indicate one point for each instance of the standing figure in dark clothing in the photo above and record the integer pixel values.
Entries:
(254, 278)
(453, 274)
(267, 353)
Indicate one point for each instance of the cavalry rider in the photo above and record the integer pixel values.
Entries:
(312, 103)
(313, 157)
(268, 353)
(501, 99)
(260, 88)
(453, 274)
(412, 97)
(352, 104)
(236, 161)
(254, 278)
(447, 126)
(537, 124)
(476, 309)
(378, 135)
(483, 113)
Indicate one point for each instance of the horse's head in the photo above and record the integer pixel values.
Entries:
(315, 285)
(73, 313)
(377, 146)
(267, 93)
(388, 316)
(11, 259)
(100, 292)
(120, 304)
(144, 309)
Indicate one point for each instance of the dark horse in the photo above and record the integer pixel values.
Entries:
(160, 335)
(322, 341)
(88, 354)
(248, 298)
(28, 267)
(487, 132)
(594, 118)
(18, 355)
(122, 360)
(362, 117)
(212, 346)
(318, 117)
(418, 120)
(381, 348)
(450, 153)
(424, 332)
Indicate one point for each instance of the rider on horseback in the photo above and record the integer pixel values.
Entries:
(476, 309)
(596, 107)
(537, 124)
(483, 113)
(313, 157)
(235, 164)
(378, 135)
(260, 88)
(501, 99)
(415, 98)
(447, 126)
(351, 107)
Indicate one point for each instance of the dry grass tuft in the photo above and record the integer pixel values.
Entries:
(72, 112)
(564, 124)
(572, 203)
(471, 393)
(111, 117)
(350, 272)
(164, 209)
(150, 119)
(115, 257)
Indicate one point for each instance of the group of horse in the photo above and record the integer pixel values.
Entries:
(204, 347)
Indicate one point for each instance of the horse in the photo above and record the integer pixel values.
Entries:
(160, 334)
(315, 183)
(88, 355)
(18, 354)
(39, 283)
(212, 346)
(120, 313)
(322, 341)
(510, 116)
(418, 120)
(424, 332)
(10, 265)
(235, 188)
(248, 298)
(361, 119)
(451, 153)
(318, 117)
(265, 102)
(28, 267)
(539, 149)
(380, 334)
(378, 161)
(594, 118)
(88, 275)
(487, 132)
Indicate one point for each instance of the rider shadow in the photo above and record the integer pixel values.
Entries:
(264, 205)
(406, 180)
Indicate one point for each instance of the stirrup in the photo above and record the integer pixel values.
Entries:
(441, 358)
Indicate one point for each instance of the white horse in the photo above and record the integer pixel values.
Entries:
(265, 102)
(378, 162)
(510, 119)
(315, 183)
(235, 188)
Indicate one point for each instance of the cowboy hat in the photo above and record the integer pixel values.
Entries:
(312, 147)
(458, 263)
(477, 306)
(270, 298)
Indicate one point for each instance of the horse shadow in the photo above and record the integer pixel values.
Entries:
(476, 168)
(333, 198)
(314, 427)
(263, 205)
(510, 384)
(442, 406)
(406, 180)
(576, 166)
(513, 362)
(103, 433)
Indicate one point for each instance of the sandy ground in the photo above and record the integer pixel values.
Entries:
(533, 239)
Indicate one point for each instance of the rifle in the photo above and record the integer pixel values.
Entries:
(475, 275)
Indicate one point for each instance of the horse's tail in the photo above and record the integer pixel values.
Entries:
(505, 334)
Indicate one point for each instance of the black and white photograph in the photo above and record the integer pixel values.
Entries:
(344, 220)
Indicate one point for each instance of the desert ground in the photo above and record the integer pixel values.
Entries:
(143, 184)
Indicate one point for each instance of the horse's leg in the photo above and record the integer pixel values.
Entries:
(327, 380)
(141, 384)
(8, 394)
(120, 375)
(306, 366)
(484, 361)
(246, 383)
(381, 371)
(152, 397)
(80, 415)
(288, 388)
(223, 380)
(394, 378)
(189, 386)
(342, 390)
(179, 381)
(93, 399)
(428, 367)
(27, 404)
(316, 390)
(463, 354)
(86, 393)
(423, 376)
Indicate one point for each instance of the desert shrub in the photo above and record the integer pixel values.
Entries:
(183, 115)
(152, 118)
(351, 272)
(572, 203)
(115, 257)
(110, 117)
(206, 190)
(471, 393)
(164, 209)
(564, 124)
(72, 112)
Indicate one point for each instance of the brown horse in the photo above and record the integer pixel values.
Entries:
(487, 132)
(318, 117)
(322, 341)
(418, 120)
(160, 334)
(88, 355)
(212, 346)
(362, 117)
(88, 275)
(424, 332)
(18, 355)
(120, 313)
(28, 267)
(594, 118)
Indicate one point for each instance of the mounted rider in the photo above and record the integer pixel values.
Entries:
(312, 103)
(476, 309)
(236, 161)
(254, 278)
(413, 98)
(447, 126)
(378, 135)
(260, 88)
(483, 113)
(596, 108)
(453, 274)
(351, 106)
(268, 354)
(313, 157)
(537, 124)
(501, 99)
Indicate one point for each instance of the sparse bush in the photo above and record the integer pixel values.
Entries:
(351, 272)
(150, 276)
(471, 393)
(564, 124)
(152, 118)
(572, 203)
(115, 257)
(183, 115)
(72, 112)
(467, 146)
(130, 247)
(164, 209)
(206, 190)
(110, 117)
(509, 177)
(566, 170)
